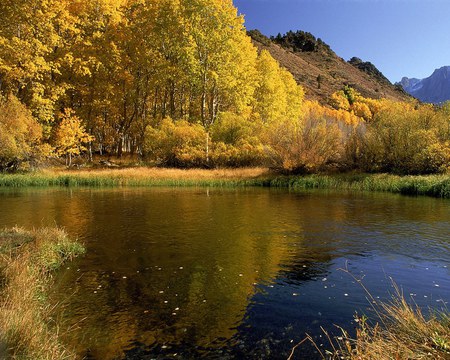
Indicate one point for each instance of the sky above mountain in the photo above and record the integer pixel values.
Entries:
(400, 37)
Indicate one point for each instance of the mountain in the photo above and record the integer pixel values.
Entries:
(433, 89)
(321, 72)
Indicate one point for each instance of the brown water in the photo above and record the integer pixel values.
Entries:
(198, 273)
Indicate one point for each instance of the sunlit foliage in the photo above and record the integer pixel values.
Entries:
(407, 139)
(20, 134)
(70, 136)
(179, 83)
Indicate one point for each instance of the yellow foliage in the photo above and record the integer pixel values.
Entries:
(20, 134)
(70, 136)
(406, 138)
(181, 144)
(344, 117)
(236, 141)
(351, 101)
(178, 144)
(361, 110)
(277, 95)
(248, 152)
(339, 102)
(33, 39)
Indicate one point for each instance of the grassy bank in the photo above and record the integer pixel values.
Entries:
(403, 333)
(431, 185)
(138, 177)
(27, 260)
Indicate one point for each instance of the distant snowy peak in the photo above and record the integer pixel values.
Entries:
(434, 89)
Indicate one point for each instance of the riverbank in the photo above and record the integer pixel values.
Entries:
(27, 261)
(139, 176)
(402, 333)
(430, 185)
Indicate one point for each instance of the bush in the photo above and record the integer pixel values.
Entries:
(236, 142)
(405, 140)
(176, 144)
(306, 145)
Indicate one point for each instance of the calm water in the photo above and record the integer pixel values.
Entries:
(232, 274)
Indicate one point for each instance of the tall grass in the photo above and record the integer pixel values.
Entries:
(137, 177)
(27, 260)
(431, 185)
(402, 332)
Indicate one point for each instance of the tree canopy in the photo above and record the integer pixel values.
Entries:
(180, 83)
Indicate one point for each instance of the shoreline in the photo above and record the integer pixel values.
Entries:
(28, 260)
(437, 186)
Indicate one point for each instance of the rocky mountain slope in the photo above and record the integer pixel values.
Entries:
(321, 72)
(433, 89)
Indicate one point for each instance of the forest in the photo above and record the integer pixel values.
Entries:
(178, 83)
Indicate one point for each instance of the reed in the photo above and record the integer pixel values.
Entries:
(136, 177)
(401, 332)
(27, 260)
(431, 185)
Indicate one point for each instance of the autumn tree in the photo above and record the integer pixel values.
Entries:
(277, 95)
(34, 35)
(70, 137)
(100, 73)
(221, 58)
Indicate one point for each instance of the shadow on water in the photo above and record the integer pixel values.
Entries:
(237, 274)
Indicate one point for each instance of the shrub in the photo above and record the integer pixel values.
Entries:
(307, 144)
(406, 140)
(176, 144)
(235, 142)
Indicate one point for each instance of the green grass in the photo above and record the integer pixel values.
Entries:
(431, 185)
(27, 261)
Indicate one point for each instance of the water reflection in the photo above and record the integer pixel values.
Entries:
(170, 269)
(229, 273)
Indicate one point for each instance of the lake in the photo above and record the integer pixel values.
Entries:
(232, 273)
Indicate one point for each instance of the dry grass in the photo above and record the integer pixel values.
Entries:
(164, 173)
(137, 176)
(401, 333)
(431, 185)
(27, 261)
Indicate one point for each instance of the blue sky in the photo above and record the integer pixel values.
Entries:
(401, 37)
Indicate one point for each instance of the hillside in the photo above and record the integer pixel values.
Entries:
(433, 89)
(321, 72)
